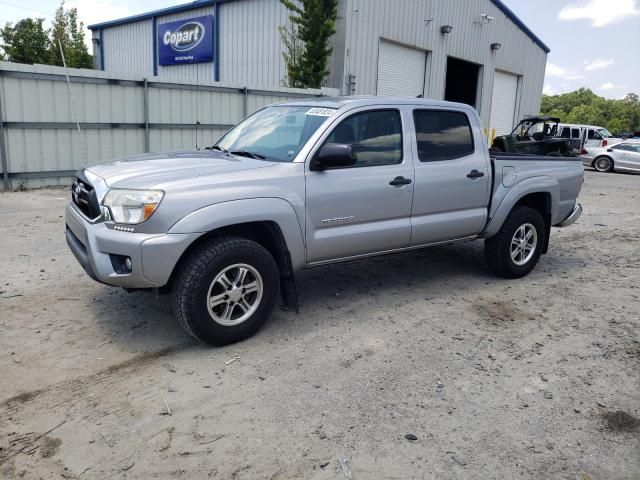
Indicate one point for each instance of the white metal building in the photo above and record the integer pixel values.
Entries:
(474, 51)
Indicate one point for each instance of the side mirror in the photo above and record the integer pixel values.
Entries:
(333, 155)
(609, 149)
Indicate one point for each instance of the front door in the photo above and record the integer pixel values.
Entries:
(452, 177)
(365, 208)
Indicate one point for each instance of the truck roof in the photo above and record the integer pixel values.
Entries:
(367, 100)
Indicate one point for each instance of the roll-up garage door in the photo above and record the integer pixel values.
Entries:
(503, 102)
(400, 70)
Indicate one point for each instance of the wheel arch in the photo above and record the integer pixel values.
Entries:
(542, 202)
(270, 222)
(541, 193)
(613, 162)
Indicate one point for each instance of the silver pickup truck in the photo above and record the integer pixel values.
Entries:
(307, 183)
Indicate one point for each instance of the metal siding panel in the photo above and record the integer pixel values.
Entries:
(336, 79)
(118, 54)
(250, 44)
(403, 21)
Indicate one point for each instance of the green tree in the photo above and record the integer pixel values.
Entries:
(25, 42)
(292, 55)
(584, 106)
(69, 32)
(306, 41)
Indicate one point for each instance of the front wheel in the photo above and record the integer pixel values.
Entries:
(225, 290)
(516, 248)
(603, 164)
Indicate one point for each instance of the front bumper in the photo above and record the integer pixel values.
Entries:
(573, 216)
(153, 256)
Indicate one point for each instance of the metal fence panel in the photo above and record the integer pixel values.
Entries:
(119, 116)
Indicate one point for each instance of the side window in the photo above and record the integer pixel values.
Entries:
(564, 133)
(622, 146)
(594, 135)
(442, 135)
(376, 137)
(575, 133)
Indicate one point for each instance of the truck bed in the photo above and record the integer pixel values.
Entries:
(514, 175)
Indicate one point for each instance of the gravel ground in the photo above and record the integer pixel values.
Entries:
(418, 365)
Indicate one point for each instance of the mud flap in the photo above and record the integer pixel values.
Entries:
(547, 227)
(288, 288)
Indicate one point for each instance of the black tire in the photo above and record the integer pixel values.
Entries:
(603, 164)
(195, 279)
(497, 249)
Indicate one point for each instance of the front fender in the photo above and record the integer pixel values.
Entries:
(248, 210)
(541, 184)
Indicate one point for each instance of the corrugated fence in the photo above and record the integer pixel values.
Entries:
(118, 115)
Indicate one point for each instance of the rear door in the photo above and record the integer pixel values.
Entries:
(627, 156)
(452, 174)
(365, 208)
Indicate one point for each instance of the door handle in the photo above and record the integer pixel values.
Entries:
(475, 174)
(400, 181)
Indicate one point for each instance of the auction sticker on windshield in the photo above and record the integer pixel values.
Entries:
(320, 112)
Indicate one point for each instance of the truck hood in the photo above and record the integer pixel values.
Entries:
(149, 170)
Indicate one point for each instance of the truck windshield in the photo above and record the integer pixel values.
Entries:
(274, 133)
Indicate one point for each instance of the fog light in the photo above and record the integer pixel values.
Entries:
(121, 264)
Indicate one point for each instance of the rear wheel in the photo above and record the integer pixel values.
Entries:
(516, 248)
(225, 290)
(603, 164)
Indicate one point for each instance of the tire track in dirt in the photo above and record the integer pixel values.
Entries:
(71, 392)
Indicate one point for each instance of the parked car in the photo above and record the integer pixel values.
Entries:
(593, 135)
(309, 183)
(535, 135)
(623, 157)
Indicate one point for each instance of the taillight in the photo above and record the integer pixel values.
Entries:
(583, 151)
(604, 143)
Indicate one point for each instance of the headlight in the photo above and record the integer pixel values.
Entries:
(132, 206)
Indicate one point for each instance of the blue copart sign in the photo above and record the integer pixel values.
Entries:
(186, 41)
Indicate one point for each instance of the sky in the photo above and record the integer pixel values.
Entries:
(594, 43)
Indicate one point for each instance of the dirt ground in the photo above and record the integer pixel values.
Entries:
(532, 378)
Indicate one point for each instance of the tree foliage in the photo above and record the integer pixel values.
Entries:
(585, 107)
(306, 40)
(69, 32)
(25, 42)
(29, 42)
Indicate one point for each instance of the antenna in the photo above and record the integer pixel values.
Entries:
(83, 145)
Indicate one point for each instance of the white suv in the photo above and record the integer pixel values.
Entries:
(591, 135)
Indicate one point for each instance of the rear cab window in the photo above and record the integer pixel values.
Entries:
(442, 135)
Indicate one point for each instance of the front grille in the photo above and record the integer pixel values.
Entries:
(84, 197)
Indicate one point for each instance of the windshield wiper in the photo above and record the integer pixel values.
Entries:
(244, 153)
(216, 147)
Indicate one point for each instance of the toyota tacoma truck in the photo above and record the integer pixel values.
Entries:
(307, 183)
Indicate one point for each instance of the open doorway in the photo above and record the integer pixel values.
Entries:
(462, 81)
